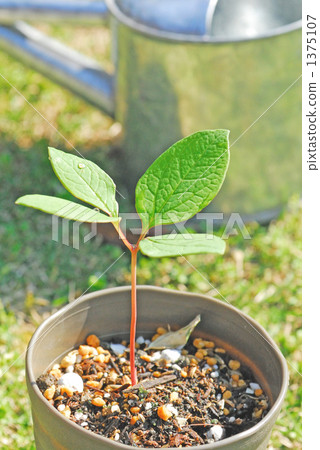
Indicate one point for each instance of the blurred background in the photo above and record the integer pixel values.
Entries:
(261, 276)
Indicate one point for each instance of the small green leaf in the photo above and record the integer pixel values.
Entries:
(64, 208)
(85, 180)
(181, 244)
(184, 179)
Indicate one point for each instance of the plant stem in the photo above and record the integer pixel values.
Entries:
(122, 236)
(134, 252)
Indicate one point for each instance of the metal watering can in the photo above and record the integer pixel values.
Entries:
(185, 65)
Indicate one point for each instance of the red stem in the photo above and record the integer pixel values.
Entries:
(134, 252)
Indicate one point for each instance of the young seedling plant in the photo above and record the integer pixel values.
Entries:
(179, 184)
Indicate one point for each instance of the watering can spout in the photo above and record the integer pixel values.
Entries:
(80, 74)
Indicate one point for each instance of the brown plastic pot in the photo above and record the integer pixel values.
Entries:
(106, 313)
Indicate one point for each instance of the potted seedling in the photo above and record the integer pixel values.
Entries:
(90, 388)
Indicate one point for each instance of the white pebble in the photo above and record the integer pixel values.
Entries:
(115, 408)
(148, 406)
(156, 356)
(55, 367)
(176, 367)
(78, 415)
(232, 419)
(172, 409)
(255, 386)
(61, 407)
(249, 391)
(118, 349)
(140, 340)
(181, 421)
(219, 396)
(214, 374)
(122, 360)
(106, 395)
(116, 437)
(216, 432)
(72, 381)
(170, 355)
(147, 341)
(216, 367)
(69, 369)
(78, 359)
(84, 424)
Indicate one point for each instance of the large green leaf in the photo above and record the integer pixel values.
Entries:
(64, 208)
(85, 180)
(181, 244)
(184, 179)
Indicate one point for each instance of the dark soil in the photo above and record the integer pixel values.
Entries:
(203, 396)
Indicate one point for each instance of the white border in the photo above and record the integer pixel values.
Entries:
(311, 246)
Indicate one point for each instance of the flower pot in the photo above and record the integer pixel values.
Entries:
(107, 314)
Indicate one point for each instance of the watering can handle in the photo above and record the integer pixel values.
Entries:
(80, 74)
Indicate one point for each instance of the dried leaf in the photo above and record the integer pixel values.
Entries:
(175, 339)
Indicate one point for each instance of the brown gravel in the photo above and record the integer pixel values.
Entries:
(203, 396)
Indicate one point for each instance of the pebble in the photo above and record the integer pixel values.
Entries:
(174, 396)
(49, 393)
(227, 395)
(68, 360)
(172, 409)
(249, 391)
(140, 340)
(84, 424)
(156, 356)
(176, 367)
(234, 364)
(148, 406)
(61, 407)
(214, 374)
(216, 432)
(182, 422)
(71, 381)
(115, 408)
(164, 413)
(78, 415)
(254, 386)
(118, 349)
(93, 340)
(211, 361)
(98, 401)
(170, 355)
(69, 369)
(232, 419)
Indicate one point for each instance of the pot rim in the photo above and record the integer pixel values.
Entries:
(191, 38)
(91, 296)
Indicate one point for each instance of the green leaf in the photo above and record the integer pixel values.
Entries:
(85, 180)
(184, 179)
(64, 208)
(181, 244)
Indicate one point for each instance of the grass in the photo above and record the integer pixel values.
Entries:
(261, 276)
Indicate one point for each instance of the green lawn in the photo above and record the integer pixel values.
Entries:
(261, 276)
